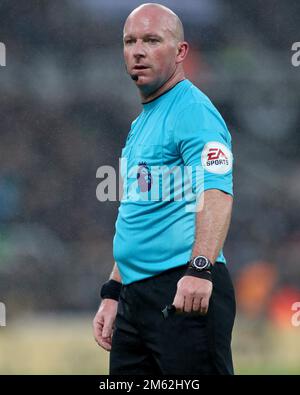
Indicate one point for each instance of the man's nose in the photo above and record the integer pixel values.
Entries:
(139, 49)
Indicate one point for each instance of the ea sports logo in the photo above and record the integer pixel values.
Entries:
(216, 158)
(215, 154)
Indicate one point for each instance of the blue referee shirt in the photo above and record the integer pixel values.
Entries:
(178, 147)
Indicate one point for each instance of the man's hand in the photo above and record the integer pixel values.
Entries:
(103, 323)
(192, 295)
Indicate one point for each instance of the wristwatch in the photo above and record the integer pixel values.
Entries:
(200, 263)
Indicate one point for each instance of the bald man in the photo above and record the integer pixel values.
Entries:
(168, 250)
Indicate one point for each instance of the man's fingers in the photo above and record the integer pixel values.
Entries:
(188, 304)
(196, 304)
(178, 302)
(103, 323)
(105, 343)
(97, 329)
(107, 328)
(204, 306)
(102, 341)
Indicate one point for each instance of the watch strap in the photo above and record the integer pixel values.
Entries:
(205, 274)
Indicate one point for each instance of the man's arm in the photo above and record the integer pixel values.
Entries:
(212, 224)
(115, 274)
(104, 320)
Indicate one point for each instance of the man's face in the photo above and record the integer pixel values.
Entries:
(150, 49)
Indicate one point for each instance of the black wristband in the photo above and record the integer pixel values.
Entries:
(205, 274)
(111, 290)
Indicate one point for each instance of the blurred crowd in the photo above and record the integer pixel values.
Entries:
(66, 105)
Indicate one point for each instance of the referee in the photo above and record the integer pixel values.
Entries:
(169, 305)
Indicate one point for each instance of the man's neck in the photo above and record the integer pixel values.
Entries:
(172, 81)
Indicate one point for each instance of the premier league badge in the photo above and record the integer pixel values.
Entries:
(144, 177)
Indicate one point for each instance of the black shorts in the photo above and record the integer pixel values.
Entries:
(185, 343)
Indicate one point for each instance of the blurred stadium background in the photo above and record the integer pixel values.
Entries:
(66, 105)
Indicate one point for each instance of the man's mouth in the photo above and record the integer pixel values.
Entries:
(140, 67)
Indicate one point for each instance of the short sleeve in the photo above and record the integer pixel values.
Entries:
(204, 142)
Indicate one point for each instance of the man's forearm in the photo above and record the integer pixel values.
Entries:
(115, 274)
(212, 224)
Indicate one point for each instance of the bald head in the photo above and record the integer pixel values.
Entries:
(166, 17)
(154, 49)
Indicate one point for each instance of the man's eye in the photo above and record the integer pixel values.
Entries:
(130, 41)
(153, 40)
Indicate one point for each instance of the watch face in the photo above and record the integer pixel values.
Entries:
(200, 263)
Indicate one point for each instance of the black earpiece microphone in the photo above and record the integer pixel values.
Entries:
(134, 77)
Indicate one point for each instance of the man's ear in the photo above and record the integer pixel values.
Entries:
(182, 47)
